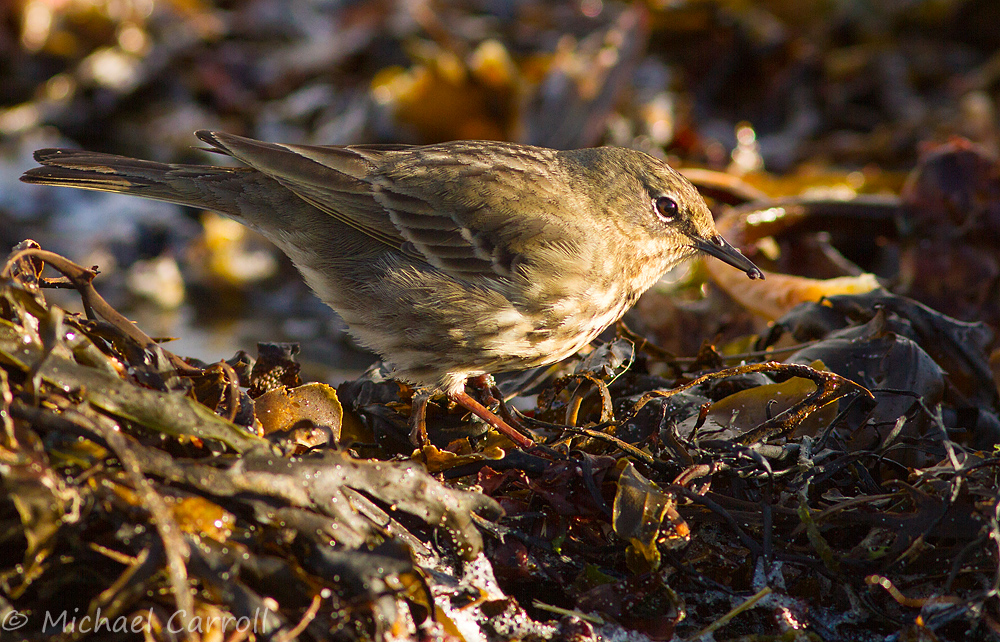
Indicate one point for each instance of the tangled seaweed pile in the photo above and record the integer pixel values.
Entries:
(672, 498)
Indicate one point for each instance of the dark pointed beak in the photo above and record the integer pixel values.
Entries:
(722, 250)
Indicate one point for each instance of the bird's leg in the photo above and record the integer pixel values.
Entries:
(490, 394)
(418, 417)
(486, 389)
(463, 399)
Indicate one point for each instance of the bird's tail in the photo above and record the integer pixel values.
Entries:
(194, 185)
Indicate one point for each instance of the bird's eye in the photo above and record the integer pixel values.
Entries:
(666, 208)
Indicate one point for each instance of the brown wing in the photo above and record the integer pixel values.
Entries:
(459, 206)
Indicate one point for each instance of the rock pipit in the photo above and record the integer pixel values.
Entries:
(451, 261)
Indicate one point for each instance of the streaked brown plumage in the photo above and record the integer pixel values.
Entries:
(451, 260)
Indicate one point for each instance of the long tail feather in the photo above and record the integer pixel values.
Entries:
(109, 173)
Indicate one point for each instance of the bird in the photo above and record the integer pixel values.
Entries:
(452, 261)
